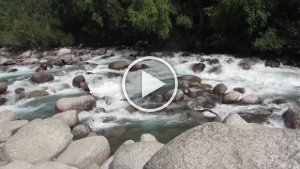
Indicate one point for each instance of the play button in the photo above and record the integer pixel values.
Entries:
(145, 89)
(149, 79)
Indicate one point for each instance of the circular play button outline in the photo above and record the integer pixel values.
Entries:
(139, 107)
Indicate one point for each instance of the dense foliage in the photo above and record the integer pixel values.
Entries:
(224, 25)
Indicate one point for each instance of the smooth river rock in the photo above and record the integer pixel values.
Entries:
(85, 152)
(3, 87)
(220, 89)
(231, 97)
(135, 156)
(81, 103)
(215, 146)
(39, 140)
(41, 77)
(7, 116)
(68, 117)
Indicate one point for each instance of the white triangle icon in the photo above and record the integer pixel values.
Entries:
(150, 84)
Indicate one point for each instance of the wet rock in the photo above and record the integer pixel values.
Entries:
(213, 61)
(109, 119)
(85, 152)
(201, 102)
(178, 97)
(52, 165)
(40, 140)
(198, 67)
(37, 93)
(98, 52)
(231, 97)
(81, 131)
(292, 118)
(220, 89)
(7, 116)
(41, 77)
(68, 117)
(240, 90)
(201, 117)
(2, 101)
(117, 131)
(157, 98)
(77, 80)
(3, 87)
(147, 137)
(272, 63)
(256, 116)
(250, 99)
(138, 67)
(118, 65)
(84, 86)
(19, 90)
(43, 66)
(12, 70)
(81, 103)
(244, 66)
(215, 146)
(216, 70)
(135, 156)
(189, 78)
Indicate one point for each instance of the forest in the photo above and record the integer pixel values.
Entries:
(232, 26)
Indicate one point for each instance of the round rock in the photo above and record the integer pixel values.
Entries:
(3, 87)
(85, 152)
(40, 140)
(220, 89)
(68, 117)
(81, 103)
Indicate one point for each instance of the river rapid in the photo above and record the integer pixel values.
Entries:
(266, 82)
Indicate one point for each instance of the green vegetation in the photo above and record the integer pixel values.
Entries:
(267, 27)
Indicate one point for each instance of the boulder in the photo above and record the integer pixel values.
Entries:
(215, 69)
(231, 97)
(3, 87)
(250, 99)
(19, 90)
(40, 140)
(81, 131)
(98, 52)
(41, 77)
(220, 89)
(17, 165)
(189, 78)
(94, 166)
(84, 86)
(244, 66)
(179, 95)
(52, 165)
(3, 101)
(4, 136)
(198, 67)
(64, 51)
(107, 163)
(292, 118)
(118, 65)
(272, 63)
(147, 137)
(77, 80)
(85, 152)
(213, 61)
(135, 156)
(236, 120)
(215, 146)
(37, 93)
(81, 103)
(12, 125)
(25, 55)
(138, 67)
(240, 90)
(6, 116)
(255, 116)
(68, 117)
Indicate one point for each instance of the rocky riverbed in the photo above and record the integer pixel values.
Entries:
(64, 108)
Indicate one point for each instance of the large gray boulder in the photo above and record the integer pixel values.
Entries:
(8, 128)
(215, 146)
(81, 103)
(39, 140)
(52, 165)
(118, 65)
(231, 97)
(7, 116)
(68, 117)
(135, 156)
(17, 165)
(85, 152)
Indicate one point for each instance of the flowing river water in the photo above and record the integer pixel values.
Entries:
(268, 83)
